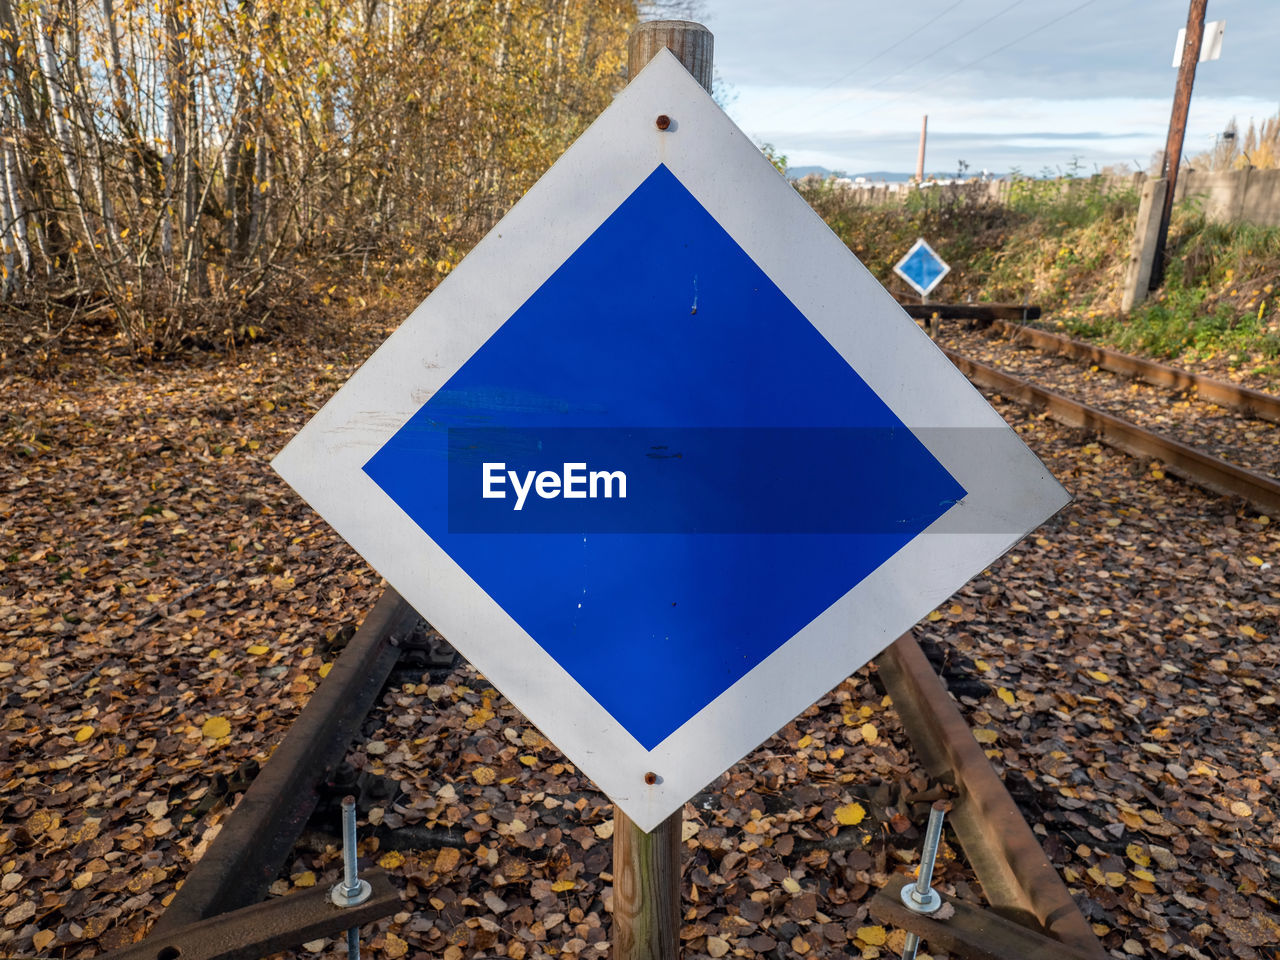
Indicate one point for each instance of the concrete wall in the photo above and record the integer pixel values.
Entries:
(1251, 196)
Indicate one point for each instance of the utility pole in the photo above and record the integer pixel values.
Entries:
(1178, 127)
(924, 129)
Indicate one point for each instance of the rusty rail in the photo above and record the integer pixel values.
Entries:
(970, 932)
(1189, 463)
(987, 312)
(256, 838)
(1264, 406)
(265, 928)
(1017, 878)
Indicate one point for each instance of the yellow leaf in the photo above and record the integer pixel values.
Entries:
(804, 742)
(391, 859)
(82, 880)
(1131, 819)
(216, 727)
(394, 947)
(1241, 809)
(934, 616)
(982, 665)
(1134, 853)
(1248, 631)
(83, 734)
(305, 879)
(1006, 695)
(1256, 561)
(872, 936)
(560, 886)
(1146, 875)
(983, 735)
(1113, 879)
(850, 814)
(259, 648)
(528, 760)
(1099, 676)
(324, 669)
(869, 733)
(484, 775)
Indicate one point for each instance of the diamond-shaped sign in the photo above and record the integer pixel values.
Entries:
(921, 267)
(661, 458)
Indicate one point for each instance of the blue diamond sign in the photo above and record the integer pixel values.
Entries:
(661, 458)
(921, 267)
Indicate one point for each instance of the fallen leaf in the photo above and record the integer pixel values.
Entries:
(872, 936)
(216, 728)
(850, 814)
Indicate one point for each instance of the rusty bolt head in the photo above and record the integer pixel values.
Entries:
(651, 778)
(663, 121)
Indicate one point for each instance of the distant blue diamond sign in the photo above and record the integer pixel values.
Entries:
(661, 458)
(922, 268)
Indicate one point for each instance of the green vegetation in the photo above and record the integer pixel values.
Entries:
(1064, 245)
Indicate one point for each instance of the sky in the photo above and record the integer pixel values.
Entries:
(1030, 85)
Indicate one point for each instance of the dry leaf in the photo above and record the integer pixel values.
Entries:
(872, 936)
(850, 814)
(216, 728)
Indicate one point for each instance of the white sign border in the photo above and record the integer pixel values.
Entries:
(1010, 490)
(923, 291)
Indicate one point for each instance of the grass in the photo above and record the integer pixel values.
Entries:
(1064, 245)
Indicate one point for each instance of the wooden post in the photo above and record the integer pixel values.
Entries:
(646, 889)
(691, 42)
(924, 130)
(1178, 127)
(1142, 255)
(646, 866)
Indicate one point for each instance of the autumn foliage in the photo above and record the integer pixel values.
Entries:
(175, 168)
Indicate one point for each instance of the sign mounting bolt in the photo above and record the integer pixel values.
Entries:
(651, 778)
(663, 121)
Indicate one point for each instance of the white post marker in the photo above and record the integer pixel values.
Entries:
(787, 473)
(1210, 46)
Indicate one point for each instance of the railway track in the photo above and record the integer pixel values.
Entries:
(236, 869)
(1219, 435)
(218, 912)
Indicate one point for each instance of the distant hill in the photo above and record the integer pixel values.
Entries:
(872, 176)
(795, 173)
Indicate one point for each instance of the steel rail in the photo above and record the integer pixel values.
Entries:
(1191, 464)
(986, 312)
(1017, 878)
(970, 931)
(281, 923)
(1264, 406)
(256, 838)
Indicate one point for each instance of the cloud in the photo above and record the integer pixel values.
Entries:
(810, 78)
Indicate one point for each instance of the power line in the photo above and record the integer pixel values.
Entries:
(950, 43)
(892, 47)
(932, 53)
(933, 81)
